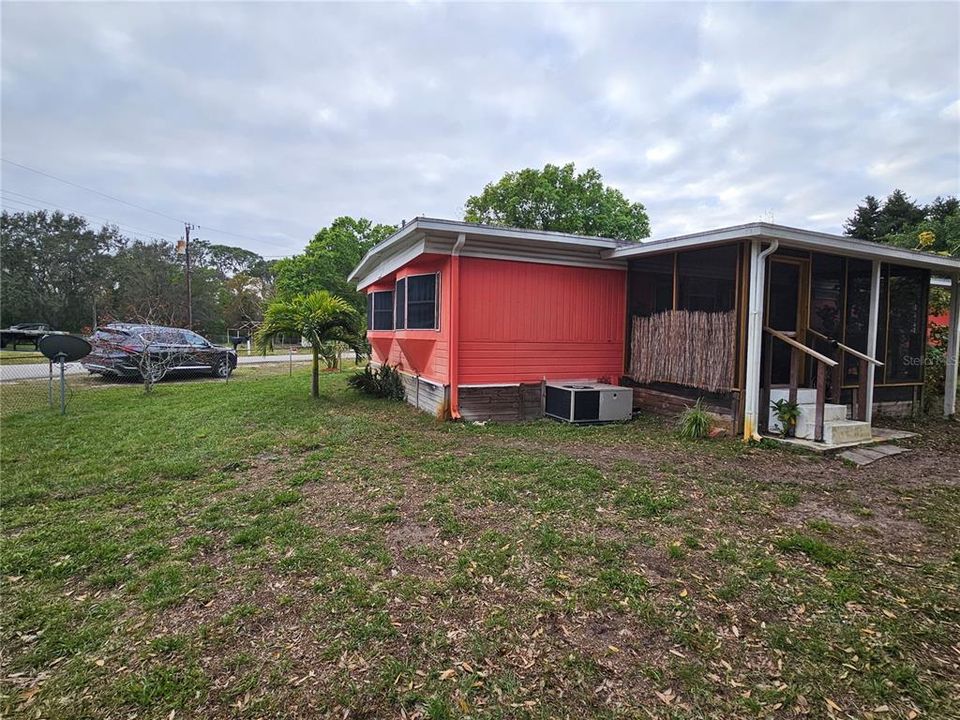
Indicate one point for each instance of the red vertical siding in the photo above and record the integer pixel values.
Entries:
(523, 321)
(418, 352)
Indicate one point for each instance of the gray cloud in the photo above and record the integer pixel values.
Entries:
(271, 119)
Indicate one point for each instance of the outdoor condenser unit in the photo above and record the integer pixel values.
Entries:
(588, 402)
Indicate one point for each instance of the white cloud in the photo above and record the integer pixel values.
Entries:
(271, 120)
(662, 152)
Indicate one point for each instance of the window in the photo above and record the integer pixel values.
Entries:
(380, 310)
(422, 292)
(400, 296)
(195, 340)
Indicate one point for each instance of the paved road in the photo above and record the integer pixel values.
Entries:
(9, 373)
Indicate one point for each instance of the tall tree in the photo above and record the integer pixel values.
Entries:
(319, 318)
(328, 259)
(54, 268)
(560, 199)
(942, 208)
(899, 213)
(863, 223)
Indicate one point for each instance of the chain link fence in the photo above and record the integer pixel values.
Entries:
(30, 383)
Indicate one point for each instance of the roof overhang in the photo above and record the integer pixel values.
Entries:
(432, 235)
(793, 238)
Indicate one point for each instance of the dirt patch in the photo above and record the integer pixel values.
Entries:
(416, 549)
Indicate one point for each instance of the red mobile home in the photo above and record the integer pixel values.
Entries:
(477, 317)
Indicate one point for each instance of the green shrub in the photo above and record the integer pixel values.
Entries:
(787, 412)
(383, 382)
(695, 422)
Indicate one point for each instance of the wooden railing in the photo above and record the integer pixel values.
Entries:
(796, 349)
(860, 397)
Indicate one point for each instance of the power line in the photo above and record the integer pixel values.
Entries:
(95, 192)
(209, 228)
(22, 205)
(50, 204)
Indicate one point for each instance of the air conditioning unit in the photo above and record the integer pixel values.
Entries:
(580, 402)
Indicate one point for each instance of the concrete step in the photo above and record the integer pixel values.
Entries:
(807, 422)
(808, 416)
(840, 432)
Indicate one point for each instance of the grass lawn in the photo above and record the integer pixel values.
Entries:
(235, 549)
(21, 357)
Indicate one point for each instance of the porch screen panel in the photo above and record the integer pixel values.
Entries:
(707, 279)
(906, 326)
(857, 314)
(826, 295)
(651, 285)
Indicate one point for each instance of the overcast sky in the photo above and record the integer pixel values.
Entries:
(269, 120)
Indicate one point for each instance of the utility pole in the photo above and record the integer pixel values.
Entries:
(186, 228)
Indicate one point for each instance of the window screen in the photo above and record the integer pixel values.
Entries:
(906, 324)
(422, 302)
(651, 285)
(400, 297)
(707, 279)
(383, 310)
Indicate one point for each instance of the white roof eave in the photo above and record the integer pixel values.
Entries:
(795, 238)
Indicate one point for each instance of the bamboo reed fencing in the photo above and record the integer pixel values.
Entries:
(691, 348)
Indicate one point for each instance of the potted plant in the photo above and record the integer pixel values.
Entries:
(787, 413)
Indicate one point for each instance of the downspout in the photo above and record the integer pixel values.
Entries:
(758, 266)
(453, 367)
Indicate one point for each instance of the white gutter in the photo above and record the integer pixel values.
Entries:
(751, 403)
(794, 238)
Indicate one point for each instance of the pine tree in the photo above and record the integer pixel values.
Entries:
(941, 208)
(863, 223)
(899, 214)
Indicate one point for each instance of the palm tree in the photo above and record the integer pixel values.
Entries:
(318, 317)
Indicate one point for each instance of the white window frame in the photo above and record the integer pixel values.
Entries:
(373, 311)
(406, 302)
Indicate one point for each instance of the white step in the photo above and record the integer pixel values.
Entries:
(804, 395)
(808, 416)
(807, 422)
(840, 432)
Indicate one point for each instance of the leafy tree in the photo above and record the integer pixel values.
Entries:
(932, 234)
(241, 299)
(319, 318)
(54, 267)
(228, 261)
(147, 286)
(559, 199)
(328, 259)
(863, 223)
(902, 222)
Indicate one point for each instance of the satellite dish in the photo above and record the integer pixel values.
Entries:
(66, 348)
(62, 349)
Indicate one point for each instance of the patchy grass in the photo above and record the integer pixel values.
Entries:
(238, 550)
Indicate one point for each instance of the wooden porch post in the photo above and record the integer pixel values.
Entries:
(953, 347)
(872, 324)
